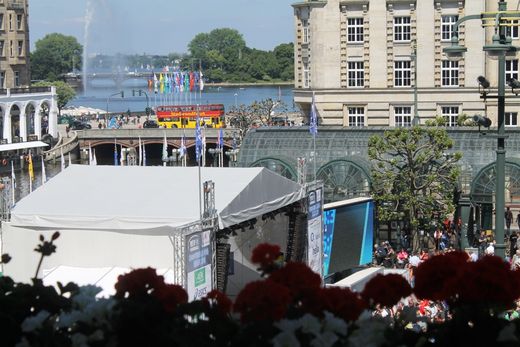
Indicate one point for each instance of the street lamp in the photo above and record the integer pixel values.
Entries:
(122, 93)
(499, 48)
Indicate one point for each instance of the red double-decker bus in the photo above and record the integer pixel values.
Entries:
(185, 116)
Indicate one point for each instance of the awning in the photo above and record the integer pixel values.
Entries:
(150, 200)
(22, 145)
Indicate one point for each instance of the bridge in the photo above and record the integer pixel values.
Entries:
(105, 141)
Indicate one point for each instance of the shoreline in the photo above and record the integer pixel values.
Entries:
(248, 84)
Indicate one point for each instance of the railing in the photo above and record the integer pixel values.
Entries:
(29, 90)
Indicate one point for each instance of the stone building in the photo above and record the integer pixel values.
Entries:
(14, 44)
(364, 59)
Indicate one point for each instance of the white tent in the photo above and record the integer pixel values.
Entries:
(149, 200)
(121, 216)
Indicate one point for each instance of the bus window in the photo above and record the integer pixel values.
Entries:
(215, 120)
(184, 122)
(175, 119)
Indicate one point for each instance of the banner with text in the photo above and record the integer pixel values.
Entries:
(198, 266)
(314, 231)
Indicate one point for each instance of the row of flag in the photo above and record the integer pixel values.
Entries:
(176, 82)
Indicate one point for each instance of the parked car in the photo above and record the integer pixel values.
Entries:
(150, 124)
(79, 125)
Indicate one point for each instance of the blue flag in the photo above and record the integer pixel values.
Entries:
(313, 128)
(198, 138)
(116, 161)
(234, 142)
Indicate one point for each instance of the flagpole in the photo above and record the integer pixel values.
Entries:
(198, 162)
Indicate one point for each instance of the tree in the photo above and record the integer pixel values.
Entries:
(284, 54)
(63, 90)
(54, 56)
(413, 175)
(258, 113)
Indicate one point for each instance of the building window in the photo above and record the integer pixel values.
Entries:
(402, 29)
(19, 22)
(355, 30)
(17, 78)
(2, 79)
(2, 48)
(356, 74)
(402, 73)
(305, 25)
(306, 83)
(511, 119)
(10, 22)
(450, 114)
(11, 48)
(403, 116)
(450, 73)
(511, 69)
(356, 116)
(512, 31)
(20, 48)
(447, 23)
(1, 21)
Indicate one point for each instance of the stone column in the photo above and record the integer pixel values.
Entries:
(23, 123)
(38, 121)
(7, 123)
(53, 113)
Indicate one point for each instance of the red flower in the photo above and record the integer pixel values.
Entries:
(436, 278)
(265, 255)
(489, 281)
(341, 302)
(298, 277)
(386, 290)
(170, 295)
(138, 282)
(219, 300)
(262, 301)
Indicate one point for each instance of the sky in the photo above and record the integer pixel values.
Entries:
(159, 26)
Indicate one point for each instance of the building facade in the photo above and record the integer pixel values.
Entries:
(14, 44)
(381, 62)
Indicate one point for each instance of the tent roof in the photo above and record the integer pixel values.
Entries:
(149, 200)
(22, 145)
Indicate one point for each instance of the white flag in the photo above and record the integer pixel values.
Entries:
(62, 159)
(140, 152)
(165, 151)
(13, 181)
(90, 155)
(44, 176)
(70, 160)
(94, 160)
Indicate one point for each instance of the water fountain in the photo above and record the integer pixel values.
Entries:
(89, 14)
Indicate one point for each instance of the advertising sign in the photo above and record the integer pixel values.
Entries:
(198, 264)
(314, 231)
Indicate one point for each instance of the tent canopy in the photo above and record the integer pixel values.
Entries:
(149, 200)
(22, 145)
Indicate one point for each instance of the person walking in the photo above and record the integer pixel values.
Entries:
(518, 220)
(509, 219)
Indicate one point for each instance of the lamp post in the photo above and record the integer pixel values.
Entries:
(500, 46)
(122, 93)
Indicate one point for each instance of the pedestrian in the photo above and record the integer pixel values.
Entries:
(509, 220)
(518, 220)
(67, 130)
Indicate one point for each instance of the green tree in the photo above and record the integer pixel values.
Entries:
(63, 90)
(55, 55)
(413, 175)
(284, 54)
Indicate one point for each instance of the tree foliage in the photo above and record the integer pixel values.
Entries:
(63, 90)
(259, 113)
(413, 174)
(54, 56)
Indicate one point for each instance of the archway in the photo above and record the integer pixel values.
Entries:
(43, 114)
(277, 165)
(14, 113)
(30, 115)
(344, 179)
(483, 189)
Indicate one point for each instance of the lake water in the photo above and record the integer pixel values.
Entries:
(102, 96)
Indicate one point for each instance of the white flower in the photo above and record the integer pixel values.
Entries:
(67, 319)
(285, 339)
(327, 339)
(310, 324)
(34, 322)
(507, 334)
(369, 334)
(334, 324)
(86, 295)
(79, 340)
(287, 326)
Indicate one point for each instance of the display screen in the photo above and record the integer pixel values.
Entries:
(348, 236)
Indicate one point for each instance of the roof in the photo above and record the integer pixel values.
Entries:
(22, 145)
(149, 200)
